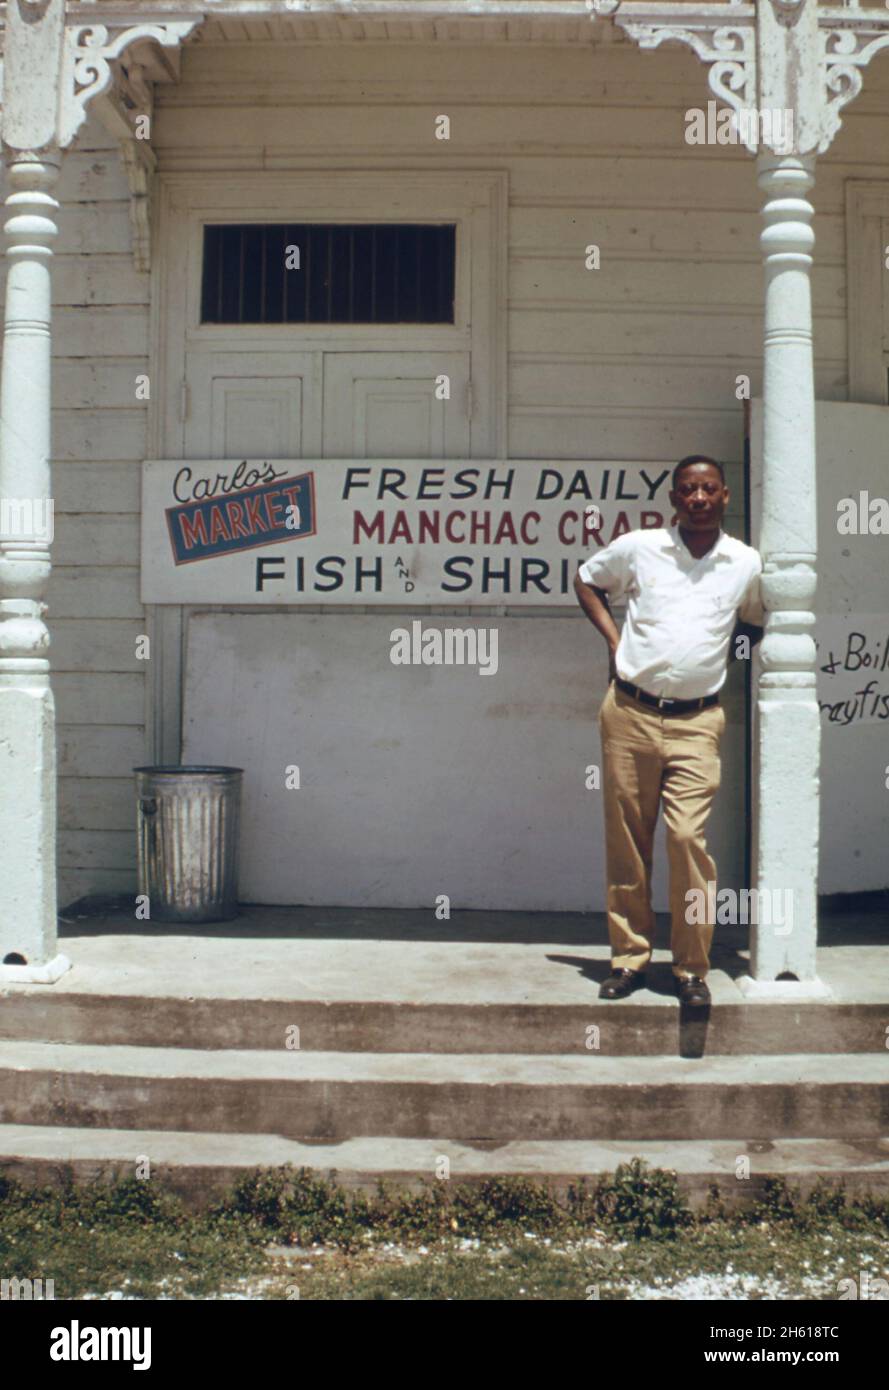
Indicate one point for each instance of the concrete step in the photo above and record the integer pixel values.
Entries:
(203, 1166)
(471, 1098)
(646, 1025)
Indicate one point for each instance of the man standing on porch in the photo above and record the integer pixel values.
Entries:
(690, 590)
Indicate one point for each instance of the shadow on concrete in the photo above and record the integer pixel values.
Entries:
(693, 1023)
(864, 922)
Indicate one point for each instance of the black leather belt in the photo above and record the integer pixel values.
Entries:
(661, 703)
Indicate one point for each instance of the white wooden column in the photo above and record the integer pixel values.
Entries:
(788, 720)
(27, 716)
(54, 66)
(32, 65)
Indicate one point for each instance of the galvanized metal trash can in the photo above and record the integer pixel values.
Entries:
(188, 824)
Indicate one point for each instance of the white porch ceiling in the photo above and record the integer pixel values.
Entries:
(355, 29)
(378, 21)
(363, 21)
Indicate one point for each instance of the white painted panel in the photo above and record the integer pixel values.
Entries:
(101, 330)
(660, 433)
(853, 597)
(88, 803)
(97, 750)
(98, 279)
(99, 849)
(99, 697)
(656, 336)
(384, 404)
(109, 591)
(88, 644)
(96, 228)
(244, 405)
(90, 176)
(852, 632)
(547, 278)
(106, 435)
(82, 383)
(416, 780)
(103, 485)
(649, 235)
(108, 539)
(93, 136)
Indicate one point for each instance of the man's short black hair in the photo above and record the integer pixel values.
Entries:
(696, 458)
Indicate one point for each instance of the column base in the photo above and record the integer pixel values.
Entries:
(777, 991)
(45, 974)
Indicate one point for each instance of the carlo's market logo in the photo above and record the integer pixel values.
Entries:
(222, 515)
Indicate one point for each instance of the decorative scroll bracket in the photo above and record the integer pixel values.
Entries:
(113, 71)
(793, 55)
(86, 63)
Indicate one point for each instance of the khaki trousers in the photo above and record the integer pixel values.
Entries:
(651, 759)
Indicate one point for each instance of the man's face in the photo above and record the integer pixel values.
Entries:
(699, 497)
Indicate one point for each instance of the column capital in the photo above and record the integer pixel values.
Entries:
(800, 56)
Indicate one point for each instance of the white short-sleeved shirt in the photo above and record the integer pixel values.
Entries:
(681, 612)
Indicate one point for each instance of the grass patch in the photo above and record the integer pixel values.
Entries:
(286, 1233)
(129, 1237)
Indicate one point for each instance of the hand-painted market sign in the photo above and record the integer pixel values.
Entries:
(385, 531)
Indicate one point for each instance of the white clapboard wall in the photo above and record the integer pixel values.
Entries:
(636, 360)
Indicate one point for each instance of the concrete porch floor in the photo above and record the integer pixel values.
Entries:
(408, 956)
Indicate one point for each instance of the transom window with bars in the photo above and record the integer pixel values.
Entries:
(328, 273)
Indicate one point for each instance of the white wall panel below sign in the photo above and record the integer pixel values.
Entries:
(414, 781)
(387, 530)
(418, 780)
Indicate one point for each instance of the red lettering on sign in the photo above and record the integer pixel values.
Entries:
(563, 536)
(253, 515)
(529, 516)
(273, 505)
(372, 529)
(234, 512)
(401, 530)
(193, 529)
(505, 528)
(449, 527)
(429, 527)
(217, 525)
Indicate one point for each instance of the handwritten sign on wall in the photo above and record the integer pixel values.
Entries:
(853, 669)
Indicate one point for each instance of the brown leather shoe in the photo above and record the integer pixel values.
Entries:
(621, 983)
(692, 990)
